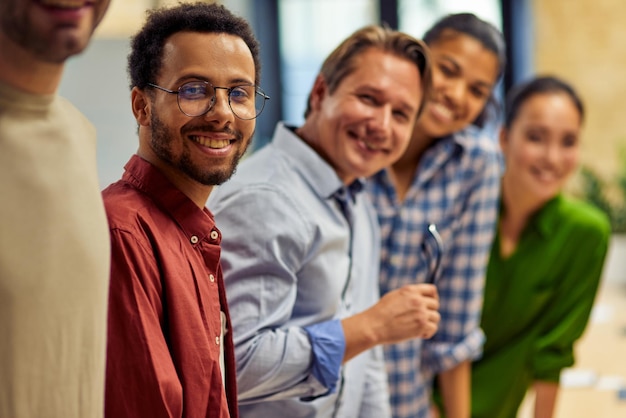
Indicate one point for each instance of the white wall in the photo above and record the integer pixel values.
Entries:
(97, 84)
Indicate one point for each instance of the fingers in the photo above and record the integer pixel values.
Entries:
(421, 295)
(428, 317)
(410, 311)
(430, 326)
(425, 289)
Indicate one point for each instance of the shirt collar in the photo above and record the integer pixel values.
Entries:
(15, 98)
(352, 190)
(193, 220)
(318, 173)
(547, 217)
(465, 137)
(455, 144)
(545, 220)
(434, 157)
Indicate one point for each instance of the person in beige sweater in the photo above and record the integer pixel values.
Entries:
(54, 244)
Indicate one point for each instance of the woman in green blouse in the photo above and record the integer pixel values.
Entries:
(546, 259)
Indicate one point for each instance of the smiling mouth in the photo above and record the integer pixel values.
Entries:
(371, 147)
(211, 143)
(442, 110)
(64, 4)
(546, 175)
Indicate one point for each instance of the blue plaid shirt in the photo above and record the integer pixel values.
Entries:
(456, 188)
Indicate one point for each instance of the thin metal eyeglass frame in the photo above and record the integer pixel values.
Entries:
(432, 228)
(257, 90)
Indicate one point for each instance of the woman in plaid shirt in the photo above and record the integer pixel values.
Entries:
(437, 209)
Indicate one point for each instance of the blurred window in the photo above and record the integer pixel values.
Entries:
(415, 16)
(309, 31)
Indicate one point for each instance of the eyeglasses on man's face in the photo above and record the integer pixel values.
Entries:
(196, 98)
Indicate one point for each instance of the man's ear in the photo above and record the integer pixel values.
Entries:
(141, 105)
(318, 92)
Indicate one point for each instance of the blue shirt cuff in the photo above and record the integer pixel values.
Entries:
(329, 345)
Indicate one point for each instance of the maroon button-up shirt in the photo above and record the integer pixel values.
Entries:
(166, 294)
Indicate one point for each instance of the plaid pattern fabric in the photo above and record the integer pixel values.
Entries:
(456, 188)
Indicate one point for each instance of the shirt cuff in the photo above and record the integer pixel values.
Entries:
(329, 345)
(439, 356)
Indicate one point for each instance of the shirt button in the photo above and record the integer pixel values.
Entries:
(217, 340)
(214, 235)
(211, 277)
(194, 239)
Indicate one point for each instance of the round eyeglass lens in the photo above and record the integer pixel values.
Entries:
(196, 98)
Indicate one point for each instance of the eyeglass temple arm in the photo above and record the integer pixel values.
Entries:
(432, 228)
(162, 88)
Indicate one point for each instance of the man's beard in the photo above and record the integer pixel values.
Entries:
(209, 176)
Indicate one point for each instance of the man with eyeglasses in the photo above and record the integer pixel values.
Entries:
(194, 70)
(301, 248)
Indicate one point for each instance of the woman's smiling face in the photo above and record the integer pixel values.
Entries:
(464, 74)
(541, 145)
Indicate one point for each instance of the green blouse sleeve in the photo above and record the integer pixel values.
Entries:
(573, 297)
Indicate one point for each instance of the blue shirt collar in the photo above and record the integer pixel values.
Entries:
(317, 172)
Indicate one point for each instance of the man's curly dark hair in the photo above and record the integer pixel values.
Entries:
(145, 58)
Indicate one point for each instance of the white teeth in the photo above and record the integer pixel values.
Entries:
(370, 146)
(443, 110)
(211, 143)
(546, 175)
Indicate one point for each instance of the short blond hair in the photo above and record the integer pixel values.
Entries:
(340, 62)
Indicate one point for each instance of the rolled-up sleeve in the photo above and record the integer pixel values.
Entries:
(328, 345)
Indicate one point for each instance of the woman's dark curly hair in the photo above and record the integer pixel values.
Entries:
(145, 58)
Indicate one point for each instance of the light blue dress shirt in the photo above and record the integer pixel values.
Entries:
(290, 279)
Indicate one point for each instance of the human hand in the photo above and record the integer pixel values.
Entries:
(404, 313)
(408, 312)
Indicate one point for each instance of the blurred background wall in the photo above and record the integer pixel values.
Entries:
(583, 41)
